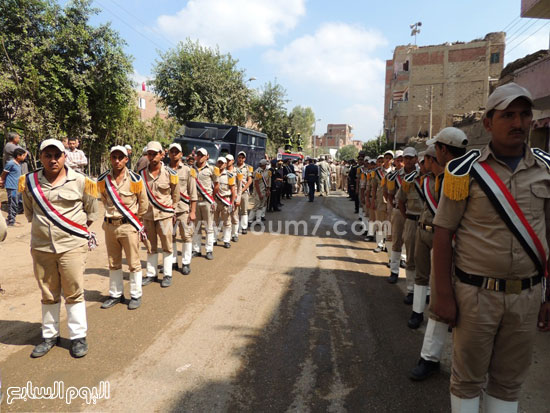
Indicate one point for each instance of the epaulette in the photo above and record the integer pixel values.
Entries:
(231, 180)
(240, 176)
(250, 169)
(22, 183)
(542, 156)
(258, 175)
(217, 171)
(174, 178)
(391, 176)
(193, 172)
(136, 182)
(101, 181)
(269, 173)
(456, 185)
(410, 177)
(90, 187)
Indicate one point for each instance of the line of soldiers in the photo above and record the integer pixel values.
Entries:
(475, 228)
(147, 206)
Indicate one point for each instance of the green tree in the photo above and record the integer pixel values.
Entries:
(302, 120)
(377, 146)
(199, 83)
(347, 152)
(268, 112)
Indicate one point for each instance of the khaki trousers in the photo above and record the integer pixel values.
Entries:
(205, 217)
(397, 226)
(422, 257)
(244, 206)
(493, 341)
(186, 229)
(409, 237)
(163, 229)
(222, 215)
(372, 215)
(259, 204)
(60, 272)
(118, 238)
(382, 214)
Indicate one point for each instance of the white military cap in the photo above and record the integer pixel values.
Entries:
(450, 136)
(52, 142)
(409, 151)
(119, 148)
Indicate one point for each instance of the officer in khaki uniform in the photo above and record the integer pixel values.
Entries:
(59, 247)
(495, 294)
(394, 240)
(262, 181)
(207, 182)
(410, 205)
(225, 198)
(124, 187)
(185, 209)
(235, 218)
(370, 209)
(244, 180)
(163, 190)
(446, 145)
(377, 193)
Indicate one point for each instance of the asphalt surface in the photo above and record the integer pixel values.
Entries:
(279, 322)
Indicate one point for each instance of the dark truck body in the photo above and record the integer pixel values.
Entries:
(220, 140)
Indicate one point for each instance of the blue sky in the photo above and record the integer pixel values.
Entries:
(329, 55)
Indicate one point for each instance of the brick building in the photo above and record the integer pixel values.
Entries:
(358, 144)
(449, 78)
(337, 135)
(148, 105)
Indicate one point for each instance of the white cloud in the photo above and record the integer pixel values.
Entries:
(338, 56)
(232, 24)
(338, 62)
(525, 44)
(138, 79)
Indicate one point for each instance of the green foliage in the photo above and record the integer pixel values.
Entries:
(377, 146)
(60, 76)
(302, 121)
(347, 152)
(199, 83)
(268, 112)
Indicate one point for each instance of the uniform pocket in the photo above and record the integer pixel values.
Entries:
(541, 193)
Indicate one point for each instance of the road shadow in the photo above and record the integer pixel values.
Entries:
(347, 247)
(338, 341)
(350, 259)
(94, 296)
(20, 333)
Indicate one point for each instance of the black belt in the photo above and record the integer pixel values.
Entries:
(497, 284)
(413, 217)
(121, 220)
(429, 228)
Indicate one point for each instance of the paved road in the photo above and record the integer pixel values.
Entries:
(279, 322)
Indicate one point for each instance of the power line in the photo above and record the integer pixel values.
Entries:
(531, 35)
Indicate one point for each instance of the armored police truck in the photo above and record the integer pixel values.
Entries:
(220, 140)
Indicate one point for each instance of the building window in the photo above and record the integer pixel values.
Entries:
(406, 66)
(142, 103)
(406, 97)
(495, 57)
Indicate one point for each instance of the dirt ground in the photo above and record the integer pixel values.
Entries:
(279, 322)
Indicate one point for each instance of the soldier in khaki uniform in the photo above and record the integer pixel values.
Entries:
(394, 240)
(225, 198)
(59, 246)
(262, 181)
(125, 202)
(379, 201)
(244, 180)
(207, 183)
(489, 286)
(185, 209)
(163, 190)
(370, 209)
(235, 218)
(451, 142)
(410, 205)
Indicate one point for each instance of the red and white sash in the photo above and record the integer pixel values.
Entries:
(428, 196)
(156, 203)
(203, 192)
(121, 206)
(51, 213)
(223, 200)
(185, 198)
(381, 173)
(510, 212)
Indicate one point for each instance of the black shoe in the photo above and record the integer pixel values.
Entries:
(403, 264)
(196, 254)
(216, 243)
(263, 218)
(46, 345)
(416, 320)
(147, 280)
(408, 299)
(427, 299)
(424, 369)
(185, 269)
(79, 347)
(134, 303)
(112, 301)
(356, 211)
(209, 256)
(175, 266)
(388, 264)
(369, 238)
(166, 282)
(244, 231)
(392, 279)
(227, 245)
(234, 238)
(276, 210)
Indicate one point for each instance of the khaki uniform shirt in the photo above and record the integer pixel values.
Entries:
(410, 196)
(483, 243)
(243, 173)
(165, 191)
(207, 178)
(226, 181)
(363, 178)
(426, 217)
(71, 200)
(378, 189)
(188, 187)
(263, 176)
(138, 202)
